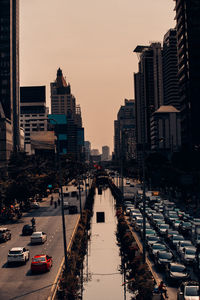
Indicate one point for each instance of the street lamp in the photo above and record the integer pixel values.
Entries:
(61, 194)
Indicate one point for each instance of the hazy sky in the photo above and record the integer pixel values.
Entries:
(92, 42)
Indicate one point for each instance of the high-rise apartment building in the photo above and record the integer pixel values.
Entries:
(9, 76)
(124, 135)
(170, 69)
(33, 112)
(188, 44)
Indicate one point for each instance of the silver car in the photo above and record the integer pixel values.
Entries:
(38, 237)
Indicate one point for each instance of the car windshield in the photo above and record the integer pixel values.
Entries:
(38, 259)
(165, 255)
(177, 238)
(191, 291)
(36, 234)
(177, 268)
(164, 226)
(158, 246)
(152, 238)
(15, 252)
(190, 251)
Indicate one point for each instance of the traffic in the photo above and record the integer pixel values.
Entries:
(172, 239)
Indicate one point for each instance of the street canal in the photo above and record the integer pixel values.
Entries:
(102, 275)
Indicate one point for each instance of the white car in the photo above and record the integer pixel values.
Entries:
(18, 254)
(38, 237)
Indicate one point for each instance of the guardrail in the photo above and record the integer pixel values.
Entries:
(59, 273)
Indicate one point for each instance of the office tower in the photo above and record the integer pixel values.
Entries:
(33, 112)
(9, 76)
(64, 103)
(148, 91)
(170, 69)
(124, 135)
(188, 44)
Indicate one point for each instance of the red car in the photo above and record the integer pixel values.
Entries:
(41, 263)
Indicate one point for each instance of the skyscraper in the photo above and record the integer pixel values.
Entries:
(64, 103)
(148, 91)
(9, 77)
(188, 44)
(170, 69)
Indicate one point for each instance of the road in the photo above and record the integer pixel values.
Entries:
(17, 282)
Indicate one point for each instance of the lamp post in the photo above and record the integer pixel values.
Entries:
(61, 194)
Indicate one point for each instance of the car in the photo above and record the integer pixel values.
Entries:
(182, 244)
(154, 248)
(38, 237)
(163, 258)
(41, 263)
(188, 255)
(188, 291)
(18, 255)
(162, 228)
(28, 229)
(5, 234)
(176, 273)
(152, 239)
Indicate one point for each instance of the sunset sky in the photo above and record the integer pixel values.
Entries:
(92, 42)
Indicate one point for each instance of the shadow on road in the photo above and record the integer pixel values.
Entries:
(31, 292)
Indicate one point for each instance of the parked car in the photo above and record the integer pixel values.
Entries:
(176, 273)
(38, 237)
(28, 229)
(188, 291)
(41, 263)
(182, 244)
(18, 255)
(5, 234)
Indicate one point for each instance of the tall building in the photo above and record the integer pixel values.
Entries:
(105, 153)
(170, 69)
(166, 130)
(87, 150)
(64, 103)
(148, 91)
(124, 135)
(9, 76)
(33, 112)
(188, 44)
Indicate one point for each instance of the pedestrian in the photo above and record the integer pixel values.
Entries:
(162, 289)
(55, 204)
(51, 201)
(58, 201)
(33, 222)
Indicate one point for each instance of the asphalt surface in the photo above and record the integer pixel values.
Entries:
(17, 282)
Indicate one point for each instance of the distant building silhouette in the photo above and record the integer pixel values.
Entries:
(124, 132)
(105, 153)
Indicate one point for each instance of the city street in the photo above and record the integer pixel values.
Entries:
(17, 282)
